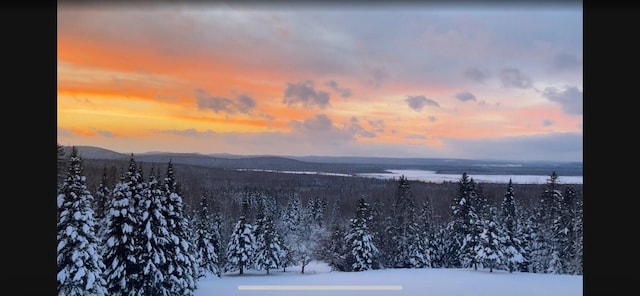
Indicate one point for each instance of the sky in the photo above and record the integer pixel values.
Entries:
(397, 282)
(389, 80)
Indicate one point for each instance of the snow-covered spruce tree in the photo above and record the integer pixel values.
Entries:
(480, 203)
(137, 186)
(333, 246)
(565, 231)
(317, 207)
(509, 219)
(382, 230)
(289, 226)
(526, 232)
(446, 254)
(564, 234)
(359, 240)
(268, 244)
(426, 228)
(79, 264)
(417, 241)
(489, 250)
(102, 197)
(408, 251)
(119, 245)
(181, 268)
(206, 251)
(153, 239)
(577, 262)
(241, 246)
(541, 247)
(61, 164)
(466, 224)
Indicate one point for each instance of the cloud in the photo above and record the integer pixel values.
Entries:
(65, 132)
(303, 93)
(566, 61)
(320, 123)
(512, 77)
(378, 125)
(549, 147)
(416, 137)
(243, 103)
(418, 102)
(344, 92)
(476, 74)
(432, 118)
(547, 122)
(465, 96)
(355, 128)
(377, 77)
(106, 134)
(318, 131)
(191, 133)
(570, 98)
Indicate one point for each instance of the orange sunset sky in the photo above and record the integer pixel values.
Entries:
(405, 80)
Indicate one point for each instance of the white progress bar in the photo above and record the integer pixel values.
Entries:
(319, 288)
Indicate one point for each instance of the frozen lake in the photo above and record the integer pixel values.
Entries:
(432, 176)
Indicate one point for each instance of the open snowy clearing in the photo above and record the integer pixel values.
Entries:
(320, 280)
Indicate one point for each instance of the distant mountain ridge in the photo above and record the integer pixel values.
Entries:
(332, 164)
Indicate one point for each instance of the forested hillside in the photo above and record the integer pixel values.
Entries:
(151, 220)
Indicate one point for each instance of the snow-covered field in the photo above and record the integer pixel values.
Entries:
(432, 176)
(320, 280)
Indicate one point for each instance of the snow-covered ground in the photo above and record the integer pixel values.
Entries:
(319, 280)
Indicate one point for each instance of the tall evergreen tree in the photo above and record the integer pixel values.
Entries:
(136, 187)
(268, 245)
(466, 224)
(217, 228)
(513, 249)
(61, 164)
(205, 241)
(291, 228)
(241, 246)
(333, 246)
(527, 231)
(578, 230)
(153, 239)
(359, 239)
(537, 249)
(181, 266)
(564, 233)
(119, 245)
(102, 197)
(549, 211)
(408, 248)
(382, 230)
(79, 264)
(427, 228)
(489, 250)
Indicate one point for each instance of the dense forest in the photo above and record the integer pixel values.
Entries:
(156, 228)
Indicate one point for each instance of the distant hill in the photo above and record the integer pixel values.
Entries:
(345, 165)
(90, 152)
